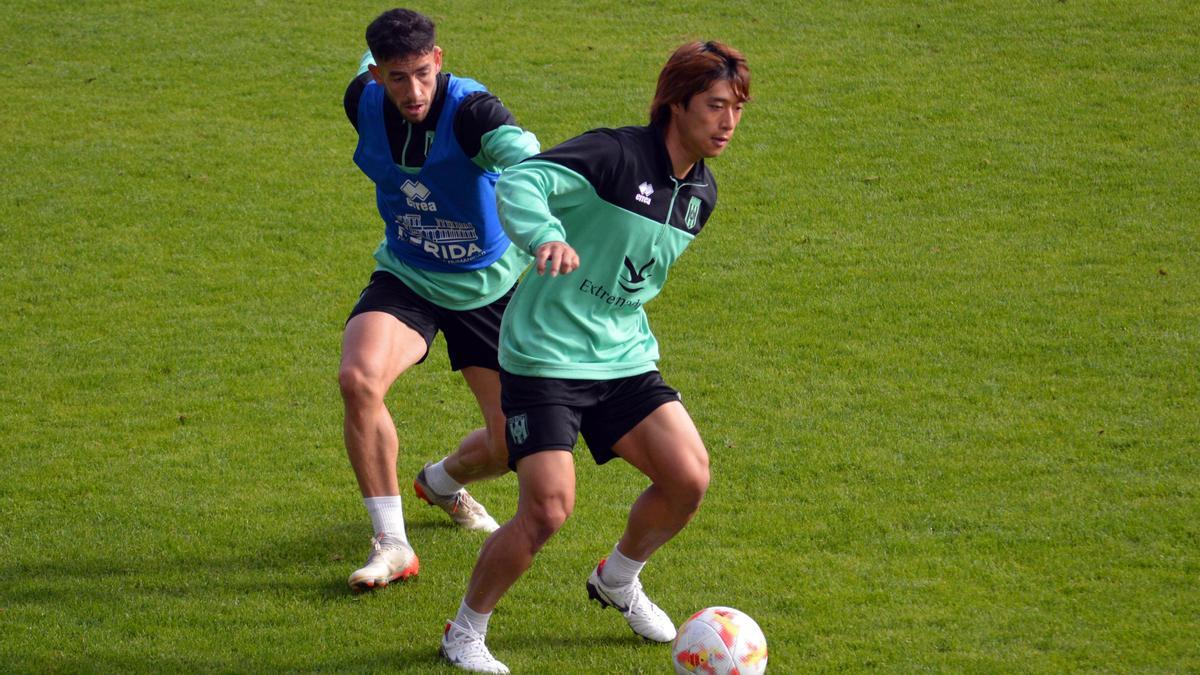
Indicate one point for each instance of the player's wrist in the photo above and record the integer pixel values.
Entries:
(551, 238)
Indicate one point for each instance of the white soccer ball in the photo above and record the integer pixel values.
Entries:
(720, 641)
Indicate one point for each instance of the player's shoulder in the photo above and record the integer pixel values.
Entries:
(635, 144)
(476, 101)
(631, 135)
(601, 143)
(601, 156)
(463, 84)
(479, 112)
(473, 96)
(353, 95)
(483, 104)
(589, 154)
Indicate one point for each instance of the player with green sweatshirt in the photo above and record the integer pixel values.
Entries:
(605, 215)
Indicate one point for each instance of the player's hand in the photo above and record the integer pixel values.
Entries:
(556, 257)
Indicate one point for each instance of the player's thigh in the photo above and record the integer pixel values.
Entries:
(473, 336)
(378, 347)
(666, 446)
(485, 385)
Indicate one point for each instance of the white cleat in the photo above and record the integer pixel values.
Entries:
(465, 649)
(460, 506)
(391, 559)
(644, 617)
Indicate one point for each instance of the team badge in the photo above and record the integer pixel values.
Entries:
(693, 213)
(518, 428)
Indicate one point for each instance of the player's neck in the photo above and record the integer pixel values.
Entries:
(682, 159)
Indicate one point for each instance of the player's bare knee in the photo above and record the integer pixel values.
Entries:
(358, 386)
(541, 520)
(688, 488)
(688, 499)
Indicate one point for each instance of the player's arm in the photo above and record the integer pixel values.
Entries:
(528, 194)
(523, 196)
(489, 134)
(355, 89)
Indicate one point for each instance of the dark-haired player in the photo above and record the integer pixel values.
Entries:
(434, 145)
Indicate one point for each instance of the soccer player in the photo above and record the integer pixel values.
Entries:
(605, 215)
(433, 144)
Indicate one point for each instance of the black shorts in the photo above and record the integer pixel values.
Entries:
(547, 413)
(472, 336)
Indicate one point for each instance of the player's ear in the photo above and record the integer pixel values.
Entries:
(437, 58)
(376, 74)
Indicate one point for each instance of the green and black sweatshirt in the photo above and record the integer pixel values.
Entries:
(612, 195)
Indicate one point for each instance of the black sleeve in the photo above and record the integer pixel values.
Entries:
(353, 93)
(597, 155)
(478, 114)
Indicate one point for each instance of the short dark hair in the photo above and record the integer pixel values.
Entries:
(692, 69)
(400, 32)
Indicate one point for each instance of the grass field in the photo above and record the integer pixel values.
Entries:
(942, 337)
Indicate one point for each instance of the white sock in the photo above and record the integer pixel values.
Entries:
(620, 570)
(440, 481)
(468, 617)
(387, 515)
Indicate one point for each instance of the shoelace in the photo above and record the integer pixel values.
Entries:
(471, 646)
(468, 504)
(377, 544)
(635, 598)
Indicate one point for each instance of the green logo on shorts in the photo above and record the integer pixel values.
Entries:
(518, 428)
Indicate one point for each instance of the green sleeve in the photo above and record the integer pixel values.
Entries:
(367, 60)
(527, 195)
(504, 146)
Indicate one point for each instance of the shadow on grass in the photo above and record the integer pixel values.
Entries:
(428, 661)
(297, 566)
(554, 639)
(184, 588)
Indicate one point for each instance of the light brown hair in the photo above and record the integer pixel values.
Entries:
(692, 69)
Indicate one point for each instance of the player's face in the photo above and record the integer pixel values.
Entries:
(706, 125)
(410, 82)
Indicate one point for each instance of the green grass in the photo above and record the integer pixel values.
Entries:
(942, 338)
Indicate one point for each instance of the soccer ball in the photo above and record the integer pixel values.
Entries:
(720, 641)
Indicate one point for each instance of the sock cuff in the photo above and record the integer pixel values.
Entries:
(387, 515)
(619, 569)
(476, 621)
(441, 481)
